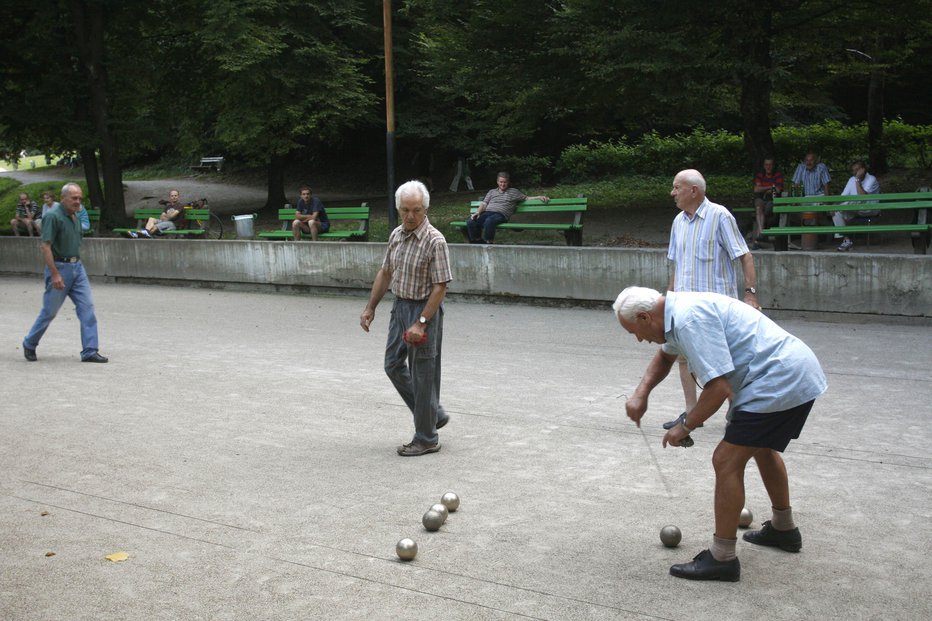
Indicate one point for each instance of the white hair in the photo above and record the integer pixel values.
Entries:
(633, 300)
(412, 188)
(70, 187)
(693, 177)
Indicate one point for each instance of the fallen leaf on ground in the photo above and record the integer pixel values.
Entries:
(50, 554)
(44, 513)
(116, 557)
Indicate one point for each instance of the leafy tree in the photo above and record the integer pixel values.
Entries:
(282, 76)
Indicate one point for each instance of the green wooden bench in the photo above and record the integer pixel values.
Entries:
(338, 217)
(572, 231)
(920, 230)
(197, 222)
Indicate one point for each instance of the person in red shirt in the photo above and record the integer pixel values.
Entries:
(768, 182)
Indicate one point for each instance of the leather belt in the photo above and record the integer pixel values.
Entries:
(67, 259)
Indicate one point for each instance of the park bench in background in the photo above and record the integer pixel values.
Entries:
(198, 222)
(93, 215)
(213, 162)
(529, 210)
(338, 217)
(918, 202)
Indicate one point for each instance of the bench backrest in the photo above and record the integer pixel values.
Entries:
(555, 205)
(904, 200)
(190, 213)
(360, 213)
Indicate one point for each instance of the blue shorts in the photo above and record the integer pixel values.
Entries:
(772, 430)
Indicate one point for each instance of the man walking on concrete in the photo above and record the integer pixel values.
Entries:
(65, 276)
(704, 243)
(417, 268)
(773, 379)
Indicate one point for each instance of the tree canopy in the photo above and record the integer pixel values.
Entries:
(263, 81)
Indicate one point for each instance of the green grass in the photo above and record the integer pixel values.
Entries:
(10, 189)
(26, 163)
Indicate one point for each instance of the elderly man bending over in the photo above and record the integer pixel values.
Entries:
(773, 377)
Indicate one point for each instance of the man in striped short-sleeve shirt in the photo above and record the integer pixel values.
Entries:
(704, 243)
(417, 268)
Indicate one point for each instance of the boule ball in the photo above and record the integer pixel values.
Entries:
(406, 549)
(746, 517)
(441, 509)
(432, 520)
(670, 536)
(451, 501)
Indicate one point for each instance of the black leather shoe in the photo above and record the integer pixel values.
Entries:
(789, 540)
(29, 354)
(670, 424)
(705, 567)
(95, 357)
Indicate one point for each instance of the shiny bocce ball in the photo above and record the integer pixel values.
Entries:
(432, 520)
(670, 536)
(745, 519)
(441, 509)
(451, 501)
(406, 549)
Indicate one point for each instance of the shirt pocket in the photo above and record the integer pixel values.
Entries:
(705, 249)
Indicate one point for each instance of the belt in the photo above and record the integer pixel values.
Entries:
(67, 259)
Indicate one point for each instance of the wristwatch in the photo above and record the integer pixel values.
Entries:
(422, 319)
(750, 290)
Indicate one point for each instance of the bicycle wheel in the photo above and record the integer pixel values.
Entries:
(213, 227)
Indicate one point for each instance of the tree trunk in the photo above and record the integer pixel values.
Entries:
(875, 149)
(755, 78)
(276, 188)
(95, 192)
(89, 31)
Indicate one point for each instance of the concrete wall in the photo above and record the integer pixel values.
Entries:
(894, 285)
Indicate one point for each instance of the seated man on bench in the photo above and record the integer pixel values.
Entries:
(861, 182)
(172, 216)
(310, 216)
(768, 182)
(496, 208)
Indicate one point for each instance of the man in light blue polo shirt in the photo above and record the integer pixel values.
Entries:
(772, 377)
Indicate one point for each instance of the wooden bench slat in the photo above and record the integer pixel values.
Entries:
(851, 228)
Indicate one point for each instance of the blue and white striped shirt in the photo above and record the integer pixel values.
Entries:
(704, 250)
(813, 181)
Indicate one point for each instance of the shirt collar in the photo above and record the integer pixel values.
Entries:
(700, 211)
(419, 231)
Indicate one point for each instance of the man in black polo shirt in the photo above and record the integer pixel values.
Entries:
(65, 276)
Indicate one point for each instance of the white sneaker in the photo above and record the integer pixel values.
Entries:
(846, 245)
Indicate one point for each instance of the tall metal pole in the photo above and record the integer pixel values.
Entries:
(389, 113)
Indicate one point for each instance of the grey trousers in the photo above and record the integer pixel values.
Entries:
(415, 371)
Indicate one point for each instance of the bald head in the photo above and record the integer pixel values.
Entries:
(688, 190)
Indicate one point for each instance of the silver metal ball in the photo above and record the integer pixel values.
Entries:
(451, 501)
(441, 509)
(406, 549)
(746, 517)
(432, 520)
(670, 536)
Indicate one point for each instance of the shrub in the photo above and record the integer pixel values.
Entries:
(722, 152)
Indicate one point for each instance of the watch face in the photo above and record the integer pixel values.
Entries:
(423, 319)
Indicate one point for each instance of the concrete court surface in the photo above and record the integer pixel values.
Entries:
(240, 448)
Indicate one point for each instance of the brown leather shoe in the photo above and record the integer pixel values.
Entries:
(416, 448)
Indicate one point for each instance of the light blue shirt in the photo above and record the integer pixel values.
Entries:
(813, 181)
(768, 369)
(704, 249)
